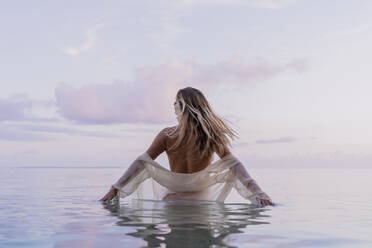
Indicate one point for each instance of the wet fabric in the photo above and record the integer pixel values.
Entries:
(213, 183)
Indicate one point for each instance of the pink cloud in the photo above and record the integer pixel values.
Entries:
(113, 103)
(21, 108)
(149, 97)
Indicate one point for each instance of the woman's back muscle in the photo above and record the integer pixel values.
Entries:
(184, 159)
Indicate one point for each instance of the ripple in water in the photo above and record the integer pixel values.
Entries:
(177, 223)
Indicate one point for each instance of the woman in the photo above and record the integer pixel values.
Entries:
(190, 147)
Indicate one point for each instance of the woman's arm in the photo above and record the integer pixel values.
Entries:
(133, 170)
(255, 192)
(155, 149)
(244, 177)
(251, 184)
(158, 146)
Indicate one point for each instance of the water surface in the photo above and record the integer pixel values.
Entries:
(59, 207)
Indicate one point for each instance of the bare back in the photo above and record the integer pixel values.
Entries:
(183, 160)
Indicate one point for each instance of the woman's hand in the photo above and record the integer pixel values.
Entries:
(110, 195)
(264, 199)
(265, 202)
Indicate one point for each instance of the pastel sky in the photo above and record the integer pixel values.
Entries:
(90, 83)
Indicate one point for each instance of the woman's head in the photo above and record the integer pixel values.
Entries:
(190, 98)
(199, 124)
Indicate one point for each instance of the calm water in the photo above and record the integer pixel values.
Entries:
(59, 207)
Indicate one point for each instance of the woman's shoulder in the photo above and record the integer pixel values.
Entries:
(165, 134)
(167, 131)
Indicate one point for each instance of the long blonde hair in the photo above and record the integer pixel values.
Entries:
(199, 125)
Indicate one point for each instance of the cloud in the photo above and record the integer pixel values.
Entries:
(118, 102)
(241, 144)
(13, 134)
(351, 31)
(22, 108)
(278, 140)
(149, 97)
(15, 108)
(235, 70)
(90, 39)
(299, 65)
(270, 141)
(61, 130)
(38, 132)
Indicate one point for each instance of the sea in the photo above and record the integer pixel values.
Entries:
(60, 207)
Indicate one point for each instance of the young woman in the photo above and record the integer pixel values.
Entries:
(190, 147)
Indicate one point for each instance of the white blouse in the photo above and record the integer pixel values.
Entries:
(213, 183)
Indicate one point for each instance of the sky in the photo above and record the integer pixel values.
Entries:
(91, 83)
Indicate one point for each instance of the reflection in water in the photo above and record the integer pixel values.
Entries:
(186, 223)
